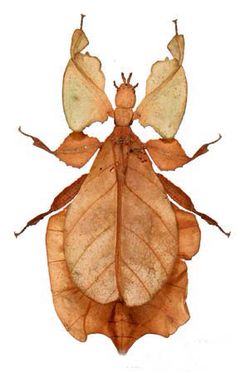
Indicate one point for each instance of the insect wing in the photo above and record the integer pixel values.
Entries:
(84, 99)
(166, 93)
(120, 235)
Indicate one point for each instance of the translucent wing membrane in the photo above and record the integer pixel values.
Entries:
(84, 99)
(166, 92)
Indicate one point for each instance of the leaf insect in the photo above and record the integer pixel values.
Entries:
(117, 248)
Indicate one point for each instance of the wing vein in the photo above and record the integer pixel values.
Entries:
(90, 206)
(149, 246)
(150, 207)
(144, 176)
(100, 173)
(90, 244)
(137, 276)
(98, 276)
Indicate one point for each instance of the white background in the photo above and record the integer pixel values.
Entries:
(126, 36)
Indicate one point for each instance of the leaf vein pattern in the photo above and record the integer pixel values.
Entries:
(144, 176)
(175, 286)
(101, 172)
(109, 296)
(138, 278)
(164, 311)
(163, 84)
(118, 223)
(56, 261)
(98, 276)
(90, 206)
(86, 315)
(150, 207)
(55, 230)
(89, 245)
(149, 246)
(78, 149)
(61, 292)
(80, 317)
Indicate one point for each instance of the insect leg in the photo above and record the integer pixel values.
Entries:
(168, 154)
(185, 201)
(62, 199)
(36, 141)
(75, 151)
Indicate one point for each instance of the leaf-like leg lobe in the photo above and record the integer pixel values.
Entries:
(168, 154)
(75, 151)
(189, 233)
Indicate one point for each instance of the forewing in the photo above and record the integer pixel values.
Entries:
(84, 99)
(120, 231)
(124, 325)
(166, 93)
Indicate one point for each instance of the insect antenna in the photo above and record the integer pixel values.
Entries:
(129, 78)
(123, 78)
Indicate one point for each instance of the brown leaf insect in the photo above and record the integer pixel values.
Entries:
(117, 248)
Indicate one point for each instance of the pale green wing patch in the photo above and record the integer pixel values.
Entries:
(164, 105)
(84, 99)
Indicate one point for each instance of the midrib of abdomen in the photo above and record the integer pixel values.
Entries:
(118, 151)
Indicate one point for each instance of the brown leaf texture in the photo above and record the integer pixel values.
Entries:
(189, 233)
(116, 252)
(185, 201)
(120, 235)
(168, 154)
(81, 316)
(75, 151)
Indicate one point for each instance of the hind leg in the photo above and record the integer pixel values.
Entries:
(61, 200)
(180, 197)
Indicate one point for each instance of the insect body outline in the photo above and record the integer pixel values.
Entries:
(117, 249)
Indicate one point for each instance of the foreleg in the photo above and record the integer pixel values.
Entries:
(75, 151)
(168, 154)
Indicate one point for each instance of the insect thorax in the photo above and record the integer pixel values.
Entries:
(123, 117)
(125, 100)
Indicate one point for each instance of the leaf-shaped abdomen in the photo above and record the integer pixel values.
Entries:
(120, 230)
